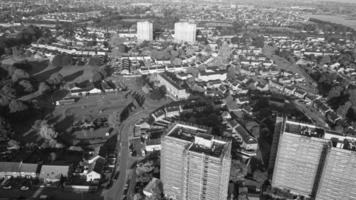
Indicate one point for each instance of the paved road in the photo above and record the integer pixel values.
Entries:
(132, 185)
(116, 191)
(125, 132)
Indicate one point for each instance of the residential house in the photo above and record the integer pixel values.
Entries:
(333, 117)
(78, 91)
(95, 170)
(158, 114)
(9, 169)
(29, 170)
(262, 87)
(241, 99)
(276, 85)
(300, 93)
(321, 107)
(289, 90)
(149, 190)
(153, 145)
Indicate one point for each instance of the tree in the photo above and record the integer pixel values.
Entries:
(47, 131)
(55, 79)
(114, 119)
(97, 77)
(325, 60)
(43, 88)
(353, 96)
(122, 48)
(177, 61)
(19, 74)
(4, 100)
(5, 129)
(343, 109)
(163, 90)
(238, 171)
(174, 54)
(335, 91)
(258, 41)
(231, 72)
(8, 91)
(95, 61)
(17, 106)
(26, 85)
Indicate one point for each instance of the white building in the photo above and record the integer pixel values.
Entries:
(185, 32)
(175, 87)
(144, 31)
(211, 74)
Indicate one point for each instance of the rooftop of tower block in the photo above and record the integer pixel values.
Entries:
(216, 149)
(188, 132)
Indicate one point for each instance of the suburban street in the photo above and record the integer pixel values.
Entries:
(124, 134)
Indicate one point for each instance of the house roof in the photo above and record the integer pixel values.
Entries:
(156, 141)
(54, 171)
(29, 167)
(152, 184)
(9, 167)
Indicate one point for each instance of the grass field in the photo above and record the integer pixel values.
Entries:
(336, 19)
(92, 107)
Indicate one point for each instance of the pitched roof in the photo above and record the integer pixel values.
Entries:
(9, 166)
(28, 167)
(54, 171)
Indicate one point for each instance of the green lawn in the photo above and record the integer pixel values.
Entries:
(94, 106)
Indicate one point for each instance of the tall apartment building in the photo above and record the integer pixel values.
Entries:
(185, 32)
(314, 162)
(278, 128)
(144, 31)
(338, 180)
(194, 164)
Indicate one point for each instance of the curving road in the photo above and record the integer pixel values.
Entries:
(116, 191)
(124, 133)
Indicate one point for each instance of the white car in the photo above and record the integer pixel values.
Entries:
(7, 187)
(24, 188)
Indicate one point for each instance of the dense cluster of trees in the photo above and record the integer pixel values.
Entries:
(340, 94)
(238, 171)
(158, 93)
(331, 27)
(19, 96)
(208, 117)
(47, 133)
(25, 36)
(125, 113)
(99, 74)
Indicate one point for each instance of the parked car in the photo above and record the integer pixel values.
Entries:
(26, 185)
(8, 184)
(111, 162)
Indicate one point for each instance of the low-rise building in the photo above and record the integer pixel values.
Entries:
(54, 173)
(29, 170)
(175, 87)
